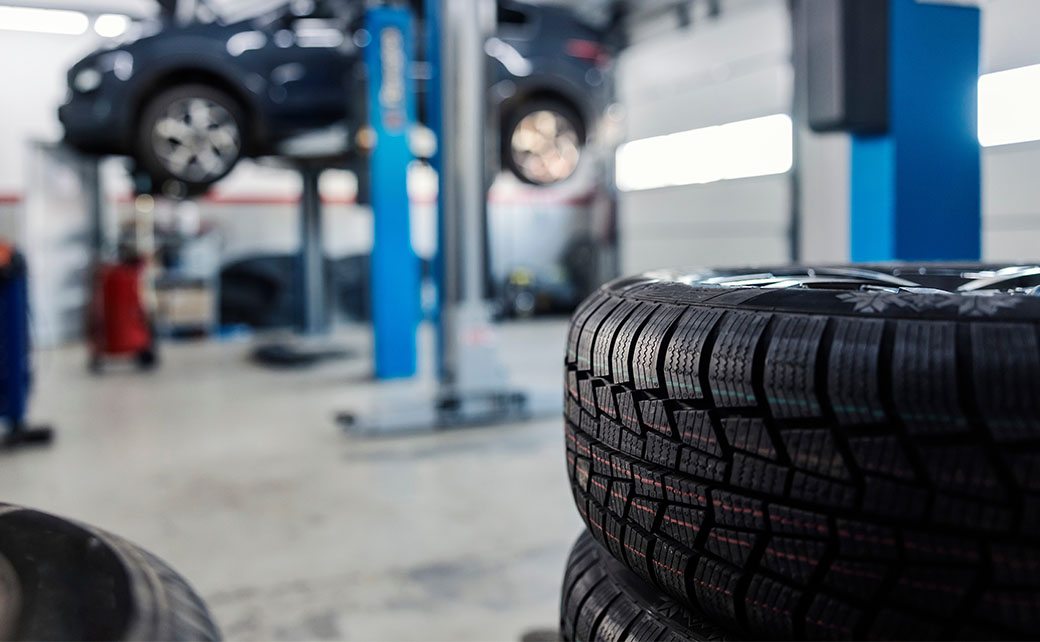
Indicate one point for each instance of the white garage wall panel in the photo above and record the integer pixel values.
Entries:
(1010, 190)
(715, 72)
(1011, 203)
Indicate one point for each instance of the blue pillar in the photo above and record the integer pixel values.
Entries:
(395, 267)
(434, 114)
(915, 191)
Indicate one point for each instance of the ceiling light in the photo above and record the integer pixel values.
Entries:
(56, 21)
(111, 25)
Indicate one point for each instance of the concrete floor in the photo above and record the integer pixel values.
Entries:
(289, 528)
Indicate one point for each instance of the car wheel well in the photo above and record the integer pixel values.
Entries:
(197, 77)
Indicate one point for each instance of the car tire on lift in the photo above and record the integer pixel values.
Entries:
(846, 453)
(603, 600)
(516, 115)
(60, 580)
(161, 178)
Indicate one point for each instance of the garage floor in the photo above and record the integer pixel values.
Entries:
(240, 479)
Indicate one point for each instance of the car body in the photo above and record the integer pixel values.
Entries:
(278, 77)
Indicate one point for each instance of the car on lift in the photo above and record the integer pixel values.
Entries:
(188, 98)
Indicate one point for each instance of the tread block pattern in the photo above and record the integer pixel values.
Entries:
(684, 358)
(924, 377)
(623, 343)
(770, 606)
(696, 429)
(790, 366)
(581, 315)
(732, 363)
(601, 353)
(853, 381)
(817, 452)
(809, 477)
(854, 578)
(749, 435)
(793, 558)
(1006, 374)
(649, 349)
(881, 454)
(587, 338)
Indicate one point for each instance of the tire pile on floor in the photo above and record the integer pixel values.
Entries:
(62, 580)
(828, 453)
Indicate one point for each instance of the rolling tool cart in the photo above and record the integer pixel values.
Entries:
(119, 325)
(15, 376)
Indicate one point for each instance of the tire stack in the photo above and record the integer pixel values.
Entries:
(62, 580)
(806, 453)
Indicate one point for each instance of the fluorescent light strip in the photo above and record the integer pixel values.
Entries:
(111, 25)
(742, 149)
(1009, 106)
(56, 21)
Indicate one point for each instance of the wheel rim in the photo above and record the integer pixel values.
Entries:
(196, 139)
(545, 147)
(1015, 280)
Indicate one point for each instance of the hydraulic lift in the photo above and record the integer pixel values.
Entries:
(472, 386)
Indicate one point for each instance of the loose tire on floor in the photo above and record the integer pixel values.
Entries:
(817, 452)
(60, 580)
(603, 600)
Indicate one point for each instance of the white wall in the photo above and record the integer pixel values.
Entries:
(32, 74)
(1010, 191)
(716, 71)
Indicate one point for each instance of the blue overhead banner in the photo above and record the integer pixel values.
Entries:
(915, 191)
(395, 267)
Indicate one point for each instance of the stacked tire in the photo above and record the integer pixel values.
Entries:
(61, 580)
(806, 453)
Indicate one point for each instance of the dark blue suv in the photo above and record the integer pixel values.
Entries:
(187, 99)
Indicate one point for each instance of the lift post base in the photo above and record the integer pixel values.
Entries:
(446, 412)
(22, 435)
(299, 352)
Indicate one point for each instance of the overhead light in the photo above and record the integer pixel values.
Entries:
(742, 149)
(56, 21)
(1009, 106)
(111, 25)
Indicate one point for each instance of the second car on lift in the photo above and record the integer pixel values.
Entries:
(186, 99)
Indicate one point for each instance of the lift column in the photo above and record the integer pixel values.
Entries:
(395, 266)
(915, 191)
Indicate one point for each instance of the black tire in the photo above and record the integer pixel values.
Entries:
(853, 459)
(75, 582)
(516, 115)
(603, 600)
(164, 179)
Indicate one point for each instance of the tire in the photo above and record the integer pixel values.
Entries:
(206, 160)
(603, 600)
(858, 457)
(74, 582)
(566, 153)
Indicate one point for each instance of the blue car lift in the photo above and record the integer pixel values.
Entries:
(395, 283)
(472, 384)
(915, 189)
